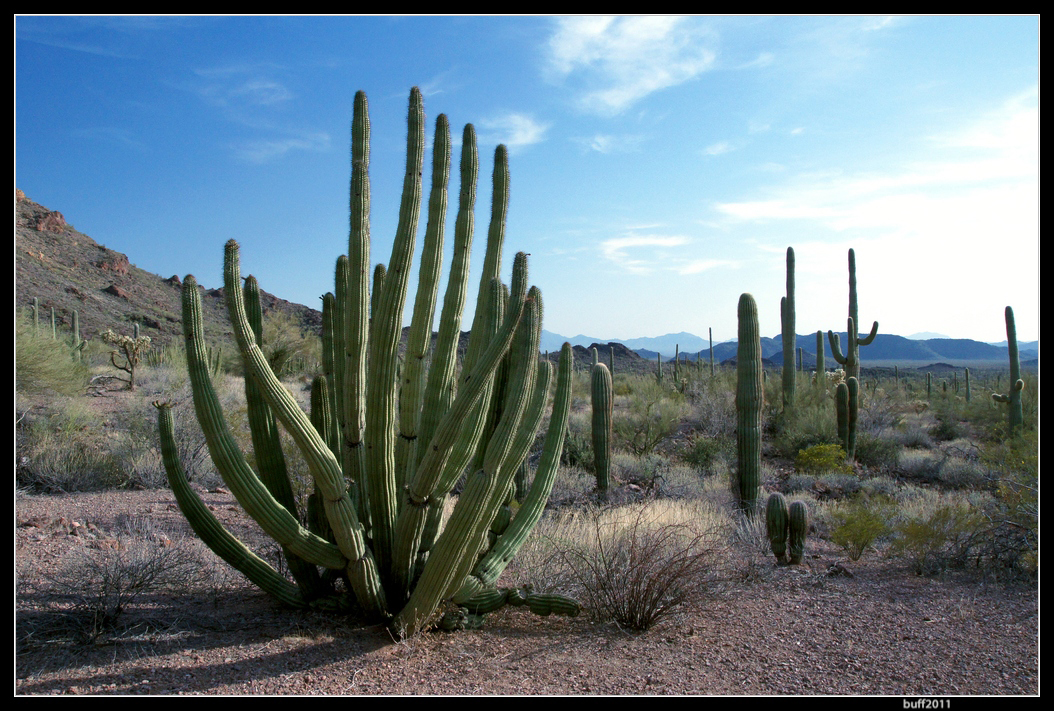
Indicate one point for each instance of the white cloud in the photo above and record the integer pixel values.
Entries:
(607, 143)
(716, 149)
(515, 130)
(619, 60)
(264, 151)
(618, 250)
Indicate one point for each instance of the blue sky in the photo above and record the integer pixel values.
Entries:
(660, 166)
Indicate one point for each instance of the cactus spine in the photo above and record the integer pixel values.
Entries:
(381, 498)
(787, 319)
(851, 359)
(797, 529)
(749, 404)
(1015, 415)
(603, 404)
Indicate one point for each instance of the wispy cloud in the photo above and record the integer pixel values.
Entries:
(515, 130)
(616, 61)
(608, 143)
(265, 151)
(716, 149)
(627, 253)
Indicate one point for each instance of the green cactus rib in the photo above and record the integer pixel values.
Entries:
(798, 529)
(211, 531)
(603, 404)
(821, 369)
(787, 320)
(777, 523)
(851, 359)
(1015, 413)
(749, 404)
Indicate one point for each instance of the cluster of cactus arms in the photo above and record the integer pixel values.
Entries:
(789, 339)
(787, 527)
(1013, 398)
(851, 359)
(847, 405)
(603, 405)
(750, 400)
(385, 446)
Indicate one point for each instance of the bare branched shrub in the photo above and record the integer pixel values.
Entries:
(641, 565)
(92, 591)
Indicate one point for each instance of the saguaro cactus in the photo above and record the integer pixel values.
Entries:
(603, 404)
(821, 369)
(847, 404)
(777, 523)
(750, 400)
(851, 359)
(381, 499)
(789, 339)
(1013, 398)
(797, 529)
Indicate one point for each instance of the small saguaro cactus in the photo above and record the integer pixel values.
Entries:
(787, 319)
(1015, 414)
(797, 530)
(777, 523)
(375, 524)
(847, 405)
(851, 359)
(603, 405)
(821, 377)
(750, 401)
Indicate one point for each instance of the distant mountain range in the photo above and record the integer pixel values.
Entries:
(885, 348)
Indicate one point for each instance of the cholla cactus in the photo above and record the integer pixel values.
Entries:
(131, 348)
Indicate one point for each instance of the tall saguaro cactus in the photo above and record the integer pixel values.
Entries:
(851, 358)
(405, 437)
(750, 400)
(1015, 415)
(603, 404)
(789, 339)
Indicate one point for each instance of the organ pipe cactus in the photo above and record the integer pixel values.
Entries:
(750, 400)
(1015, 416)
(789, 339)
(375, 519)
(797, 530)
(603, 405)
(851, 359)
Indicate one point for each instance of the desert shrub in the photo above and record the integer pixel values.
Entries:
(921, 465)
(64, 452)
(578, 442)
(704, 452)
(822, 459)
(858, 523)
(835, 486)
(1013, 470)
(937, 536)
(914, 437)
(946, 429)
(44, 365)
(653, 414)
(97, 585)
(642, 564)
(877, 451)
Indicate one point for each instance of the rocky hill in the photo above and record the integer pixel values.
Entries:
(68, 271)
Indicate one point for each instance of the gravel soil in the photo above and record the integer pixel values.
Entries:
(827, 627)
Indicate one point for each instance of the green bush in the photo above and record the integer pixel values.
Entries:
(44, 365)
(654, 414)
(857, 524)
(938, 538)
(822, 459)
(876, 451)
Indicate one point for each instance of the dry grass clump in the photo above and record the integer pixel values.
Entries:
(637, 564)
